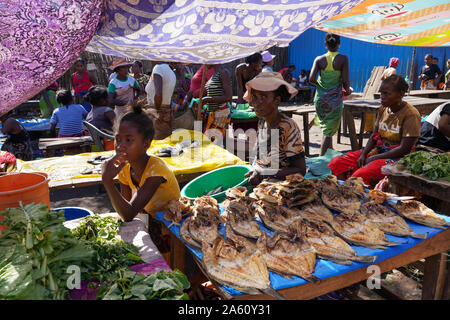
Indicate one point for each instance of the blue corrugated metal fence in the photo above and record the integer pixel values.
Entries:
(363, 56)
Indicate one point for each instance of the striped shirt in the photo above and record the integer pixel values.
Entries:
(69, 118)
(214, 88)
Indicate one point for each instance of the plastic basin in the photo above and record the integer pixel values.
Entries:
(227, 177)
(72, 213)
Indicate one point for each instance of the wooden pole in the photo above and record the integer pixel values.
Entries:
(200, 100)
(411, 81)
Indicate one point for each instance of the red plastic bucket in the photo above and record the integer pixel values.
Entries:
(27, 187)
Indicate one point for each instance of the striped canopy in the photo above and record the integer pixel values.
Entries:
(418, 23)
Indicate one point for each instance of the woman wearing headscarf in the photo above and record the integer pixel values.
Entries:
(392, 68)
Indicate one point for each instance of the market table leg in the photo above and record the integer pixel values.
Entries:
(351, 128)
(433, 272)
(361, 129)
(306, 133)
(177, 253)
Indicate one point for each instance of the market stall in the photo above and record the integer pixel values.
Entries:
(85, 169)
(351, 107)
(424, 241)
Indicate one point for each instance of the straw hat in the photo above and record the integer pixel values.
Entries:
(266, 56)
(268, 81)
(119, 62)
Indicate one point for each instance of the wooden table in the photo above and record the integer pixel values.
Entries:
(437, 94)
(362, 106)
(438, 193)
(70, 145)
(90, 181)
(431, 247)
(304, 112)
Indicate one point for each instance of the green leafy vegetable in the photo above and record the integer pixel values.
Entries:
(129, 285)
(36, 252)
(431, 165)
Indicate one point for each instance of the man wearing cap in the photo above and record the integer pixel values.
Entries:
(268, 61)
(435, 130)
(122, 89)
(278, 150)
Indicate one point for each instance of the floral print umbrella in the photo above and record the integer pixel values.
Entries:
(206, 31)
(39, 41)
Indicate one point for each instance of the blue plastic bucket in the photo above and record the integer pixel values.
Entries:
(72, 213)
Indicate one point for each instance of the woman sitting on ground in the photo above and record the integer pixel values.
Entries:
(396, 131)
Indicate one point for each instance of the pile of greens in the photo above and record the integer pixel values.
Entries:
(37, 250)
(431, 165)
(111, 262)
(129, 285)
(35, 253)
(110, 252)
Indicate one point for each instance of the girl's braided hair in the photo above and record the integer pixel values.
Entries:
(140, 119)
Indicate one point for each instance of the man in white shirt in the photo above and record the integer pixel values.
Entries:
(159, 96)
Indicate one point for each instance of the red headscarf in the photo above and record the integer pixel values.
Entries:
(394, 62)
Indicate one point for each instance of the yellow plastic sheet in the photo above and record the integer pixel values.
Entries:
(204, 158)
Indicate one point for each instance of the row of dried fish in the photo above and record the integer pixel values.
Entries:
(301, 232)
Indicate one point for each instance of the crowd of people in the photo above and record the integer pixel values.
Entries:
(170, 88)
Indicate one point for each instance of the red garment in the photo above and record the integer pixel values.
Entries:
(196, 81)
(82, 84)
(282, 70)
(370, 173)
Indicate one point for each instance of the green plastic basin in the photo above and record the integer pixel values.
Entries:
(227, 177)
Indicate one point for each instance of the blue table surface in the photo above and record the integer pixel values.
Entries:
(324, 268)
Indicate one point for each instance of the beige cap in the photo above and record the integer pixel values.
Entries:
(268, 81)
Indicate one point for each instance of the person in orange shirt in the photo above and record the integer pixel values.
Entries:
(396, 132)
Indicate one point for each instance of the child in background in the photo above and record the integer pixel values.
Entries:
(101, 115)
(69, 116)
(286, 156)
(146, 183)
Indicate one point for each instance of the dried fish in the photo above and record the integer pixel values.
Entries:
(339, 197)
(177, 209)
(387, 221)
(214, 191)
(186, 235)
(236, 192)
(316, 210)
(416, 211)
(357, 186)
(353, 228)
(245, 272)
(276, 218)
(288, 254)
(202, 228)
(328, 245)
(240, 219)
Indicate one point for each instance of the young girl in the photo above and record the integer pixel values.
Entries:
(69, 116)
(146, 183)
(101, 115)
(280, 155)
(397, 129)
